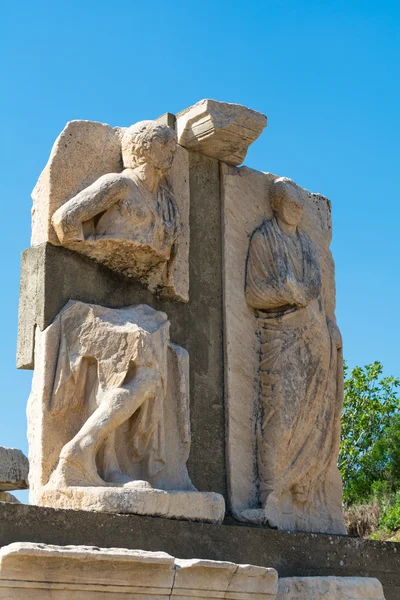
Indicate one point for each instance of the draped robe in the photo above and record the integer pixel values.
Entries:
(300, 381)
(89, 365)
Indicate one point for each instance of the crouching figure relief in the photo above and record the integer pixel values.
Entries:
(300, 372)
(108, 386)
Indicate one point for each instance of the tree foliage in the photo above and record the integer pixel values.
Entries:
(370, 437)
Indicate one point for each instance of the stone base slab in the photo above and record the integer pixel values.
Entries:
(291, 554)
(329, 588)
(31, 571)
(40, 572)
(193, 506)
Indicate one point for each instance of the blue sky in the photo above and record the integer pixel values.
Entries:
(325, 72)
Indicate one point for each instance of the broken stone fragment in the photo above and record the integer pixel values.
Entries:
(14, 468)
(219, 129)
(6, 497)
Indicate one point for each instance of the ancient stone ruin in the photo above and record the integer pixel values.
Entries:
(178, 312)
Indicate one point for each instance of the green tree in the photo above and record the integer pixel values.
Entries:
(370, 436)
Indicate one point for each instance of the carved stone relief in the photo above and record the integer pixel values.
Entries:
(108, 416)
(284, 358)
(121, 197)
(219, 129)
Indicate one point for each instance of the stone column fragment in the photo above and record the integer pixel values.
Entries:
(219, 129)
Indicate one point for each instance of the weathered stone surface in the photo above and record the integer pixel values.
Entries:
(105, 193)
(108, 416)
(219, 129)
(167, 119)
(6, 497)
(329, 588)
(38, 572)
(284, 376)
(141, 500)
(83, 152)
(211, 579)
(51, 276)
(275, 475)
(292, 554)
(14, 469)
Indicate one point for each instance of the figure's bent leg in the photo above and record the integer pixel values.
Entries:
(116, 407)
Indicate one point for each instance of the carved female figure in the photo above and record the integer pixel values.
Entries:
(300, 373)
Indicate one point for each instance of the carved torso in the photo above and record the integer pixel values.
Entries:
(141, 216)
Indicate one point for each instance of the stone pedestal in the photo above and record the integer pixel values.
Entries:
(291, 554)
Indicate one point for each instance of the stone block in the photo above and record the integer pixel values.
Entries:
(14, 469)
(291, 554)
(37, 572)
(329, 588)
(53, 275)
(219, 129)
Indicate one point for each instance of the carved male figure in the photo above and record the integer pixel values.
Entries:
(136, 205)
(108, 416)
(110, 373)
(300, 372)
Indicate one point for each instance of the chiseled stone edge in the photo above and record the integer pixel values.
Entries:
(170, 577)
(221, 130)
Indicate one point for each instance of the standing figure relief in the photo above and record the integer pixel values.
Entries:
(300, 372)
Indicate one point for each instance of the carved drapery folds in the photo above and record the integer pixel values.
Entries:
(284, 377)
(300, 372)
(109, 416)
(119, 196)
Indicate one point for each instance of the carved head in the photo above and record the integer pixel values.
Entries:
(287, 201)
(149, 142)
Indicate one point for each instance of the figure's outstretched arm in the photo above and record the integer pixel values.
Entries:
(93, 200)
